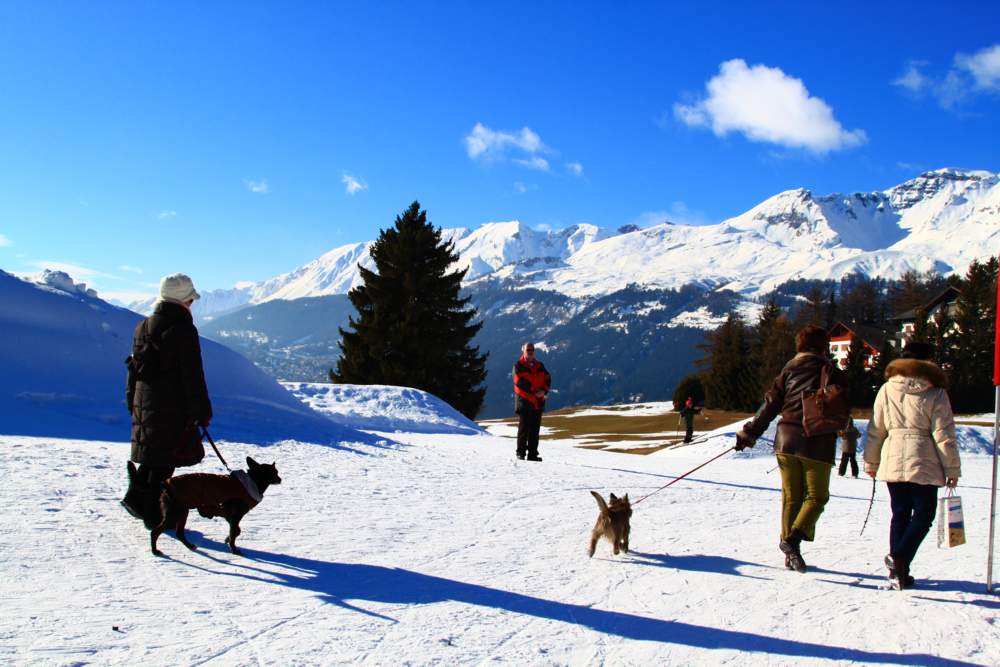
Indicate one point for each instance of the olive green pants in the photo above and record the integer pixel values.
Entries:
(805, 490)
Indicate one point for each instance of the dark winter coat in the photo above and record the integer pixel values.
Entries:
(166, 391)
(849, 439)
(688, 414)
(530, 377)
(800, 375)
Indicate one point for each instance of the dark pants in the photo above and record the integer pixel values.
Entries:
(689, 430)
(844, 458)
(913, 508)
(528, 426)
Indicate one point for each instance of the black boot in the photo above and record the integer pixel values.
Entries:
(790, 547)
(135, 494)
(899, 573)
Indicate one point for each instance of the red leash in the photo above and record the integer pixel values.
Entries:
(684, 475)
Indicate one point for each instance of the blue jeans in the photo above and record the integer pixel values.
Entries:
(913, 508)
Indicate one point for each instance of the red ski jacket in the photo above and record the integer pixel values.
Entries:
(530, 377)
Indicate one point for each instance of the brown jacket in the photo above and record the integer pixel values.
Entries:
(800, 374)
(911, 435)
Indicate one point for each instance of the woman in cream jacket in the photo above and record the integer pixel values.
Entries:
(911, 446)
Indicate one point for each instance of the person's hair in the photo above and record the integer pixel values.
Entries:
(526, 343)
(812, 339)
(918, 349)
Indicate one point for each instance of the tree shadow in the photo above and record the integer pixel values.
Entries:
(346, 585)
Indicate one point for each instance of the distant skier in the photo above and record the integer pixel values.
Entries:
(687, 413)
(531, 386)
(849, 449)
(805, 461)
(166, 396)
(911, 446)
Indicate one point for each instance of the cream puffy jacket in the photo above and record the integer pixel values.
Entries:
(911, 435)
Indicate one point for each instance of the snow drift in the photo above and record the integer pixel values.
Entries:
(62, 353)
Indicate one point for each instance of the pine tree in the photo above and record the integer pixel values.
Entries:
(773, 345)
(858, 377)
(972, 341)
(813, 311)
(729, 379)
(877, 376)
(412, 327)
(690, 386)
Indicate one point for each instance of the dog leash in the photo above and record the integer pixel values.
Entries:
(677, 479)
(870, 503)
(204, 434)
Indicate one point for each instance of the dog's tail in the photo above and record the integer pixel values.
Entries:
(600, 502)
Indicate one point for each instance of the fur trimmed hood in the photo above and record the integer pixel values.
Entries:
(917, 369)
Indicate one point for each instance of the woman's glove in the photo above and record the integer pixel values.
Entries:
(744, 440)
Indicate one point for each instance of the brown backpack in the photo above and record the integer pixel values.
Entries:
(825, 410)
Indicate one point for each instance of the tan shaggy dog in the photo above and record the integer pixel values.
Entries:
(612, 522)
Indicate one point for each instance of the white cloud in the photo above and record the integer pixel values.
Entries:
(534, 162)
(129, 269)
(679, 213)
(353, 185)
(913, 79)
(257, 187)
(968, 75)
(75, 271)
(486, 143)
(542, 227)
(574, 168)
(766, 105)
(984, 66)
(5, 242)
(166, 215)
(520, 187)
(523, 147)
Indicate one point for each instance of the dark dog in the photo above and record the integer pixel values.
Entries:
(612, 522)
(212, 495)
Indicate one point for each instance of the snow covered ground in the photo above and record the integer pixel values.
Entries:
(439, 548)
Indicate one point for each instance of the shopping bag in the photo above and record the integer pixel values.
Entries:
(951, 523)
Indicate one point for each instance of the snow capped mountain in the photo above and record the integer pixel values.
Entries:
(940, 221)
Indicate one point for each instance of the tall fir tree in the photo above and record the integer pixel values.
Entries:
(729, 379)
(772, 346)
(813, 311)
(858, 376)
(971, 342)
(877, 376)
(412, 328)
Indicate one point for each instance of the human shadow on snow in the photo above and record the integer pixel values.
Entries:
(348, 584)
(693, 563)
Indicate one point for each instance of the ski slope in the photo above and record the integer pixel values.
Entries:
(437, 548)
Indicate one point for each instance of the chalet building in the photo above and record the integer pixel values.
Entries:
(871, 338)
(947, 301)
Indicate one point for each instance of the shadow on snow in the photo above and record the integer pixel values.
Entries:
(346, 584)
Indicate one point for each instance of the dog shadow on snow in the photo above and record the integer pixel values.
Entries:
(350, 585)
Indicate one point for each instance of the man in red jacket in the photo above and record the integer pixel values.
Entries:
(531, 385)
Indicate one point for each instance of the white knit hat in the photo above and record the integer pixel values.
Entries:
(178, 287)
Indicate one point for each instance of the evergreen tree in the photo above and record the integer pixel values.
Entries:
(813, 311)
(729, 378)
(877, 376)
(412, 328)
(972, 341)
(772, 346)
(831, 312)
(858, 377)
(690, 385)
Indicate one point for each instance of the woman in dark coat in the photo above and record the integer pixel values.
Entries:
(166, 396)
(805, 461)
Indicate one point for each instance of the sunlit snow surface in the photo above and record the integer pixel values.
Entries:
(445, 550)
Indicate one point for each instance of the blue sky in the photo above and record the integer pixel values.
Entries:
(236, 141)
